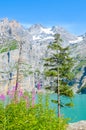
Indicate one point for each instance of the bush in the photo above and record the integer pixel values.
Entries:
(17, 116)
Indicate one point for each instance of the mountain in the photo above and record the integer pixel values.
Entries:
(34, 48)
(12, 30)
(78, 51)
(36, 33)
(41, 34)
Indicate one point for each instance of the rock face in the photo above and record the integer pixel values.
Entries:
(43, 34)
(36, 38)
(81, 125)
(78, 51)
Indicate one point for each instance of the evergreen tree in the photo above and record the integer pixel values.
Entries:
(58, 66)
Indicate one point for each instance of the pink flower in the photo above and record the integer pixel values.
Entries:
(20, 93)
(2, 97)
(8, 92)
(39, 86)
(11, 92)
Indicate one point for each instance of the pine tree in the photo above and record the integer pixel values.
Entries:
(58, 66)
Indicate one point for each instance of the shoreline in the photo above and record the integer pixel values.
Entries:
(79, 125)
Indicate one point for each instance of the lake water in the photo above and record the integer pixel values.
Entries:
(76, 113)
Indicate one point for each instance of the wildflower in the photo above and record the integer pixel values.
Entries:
(11, 92)
(20, 93)
(2, 97)
(39, 86)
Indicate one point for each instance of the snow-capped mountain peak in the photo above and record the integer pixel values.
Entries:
(36, 33)
(41, 33)
(47, 31)
(79, 39)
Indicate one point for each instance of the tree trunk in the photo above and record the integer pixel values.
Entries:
(58, 95)
(17, 76)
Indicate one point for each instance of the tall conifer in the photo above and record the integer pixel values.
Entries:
(58, 67)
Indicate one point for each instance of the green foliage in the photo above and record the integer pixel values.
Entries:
(59, 59)
(66, 91)
(63, 104)
(16, 116)
(70, 104)
(58, 66)
(12, 45)
(2, 117)
(5, 49)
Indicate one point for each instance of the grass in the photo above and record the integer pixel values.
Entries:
(8, 46)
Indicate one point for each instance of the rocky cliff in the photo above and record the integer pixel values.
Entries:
(34, 49)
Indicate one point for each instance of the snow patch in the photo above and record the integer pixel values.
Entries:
(36, 38)
(47, 38)
(47, 30)
(42, 39)
(79, 39)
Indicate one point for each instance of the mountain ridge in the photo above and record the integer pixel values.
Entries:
(36, 39)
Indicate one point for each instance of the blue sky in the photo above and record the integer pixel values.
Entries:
(71, 14)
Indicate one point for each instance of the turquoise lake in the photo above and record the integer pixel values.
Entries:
(76, 113)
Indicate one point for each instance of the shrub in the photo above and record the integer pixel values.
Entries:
(17, 116)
